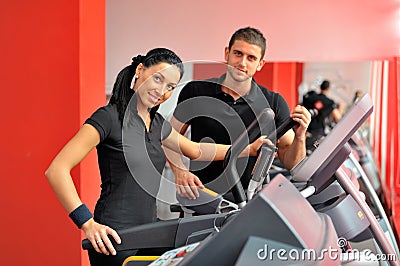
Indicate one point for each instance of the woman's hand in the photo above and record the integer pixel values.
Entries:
(253, 148)
(97, 234)
(187, 184)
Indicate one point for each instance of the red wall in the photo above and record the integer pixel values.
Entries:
(52, 73)
(390, 166)
(385, 89)
(208, 70)
(284, 78)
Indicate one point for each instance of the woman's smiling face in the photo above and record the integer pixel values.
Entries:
(155, 84)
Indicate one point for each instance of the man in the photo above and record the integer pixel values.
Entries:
(220, 109)
(328, 110)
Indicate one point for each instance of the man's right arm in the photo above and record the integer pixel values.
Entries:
(337, 112)
(186, 183)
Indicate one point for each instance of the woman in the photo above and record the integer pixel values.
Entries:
(119, 131)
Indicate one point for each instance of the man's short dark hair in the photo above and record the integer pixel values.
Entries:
(250, 35)
(324, 85)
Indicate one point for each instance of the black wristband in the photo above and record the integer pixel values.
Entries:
(80, 215)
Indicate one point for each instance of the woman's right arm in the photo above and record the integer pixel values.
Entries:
(59, 177)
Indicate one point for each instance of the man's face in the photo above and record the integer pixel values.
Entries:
(243, 59)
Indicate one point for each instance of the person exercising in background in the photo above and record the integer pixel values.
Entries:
(237, 91)
(328, 110)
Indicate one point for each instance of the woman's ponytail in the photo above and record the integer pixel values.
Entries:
(122, 91)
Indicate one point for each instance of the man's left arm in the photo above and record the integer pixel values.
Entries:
(292, 145)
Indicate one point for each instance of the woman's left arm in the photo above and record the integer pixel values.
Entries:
(205, 151)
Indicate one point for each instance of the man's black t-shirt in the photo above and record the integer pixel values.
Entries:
(215, 116)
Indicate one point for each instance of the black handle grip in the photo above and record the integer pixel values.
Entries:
(284, 127)
(289, 123)
(263, 119)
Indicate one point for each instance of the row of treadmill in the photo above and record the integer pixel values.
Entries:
(327, 211)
